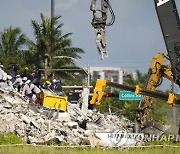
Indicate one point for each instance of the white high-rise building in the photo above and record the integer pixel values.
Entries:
(113, 74)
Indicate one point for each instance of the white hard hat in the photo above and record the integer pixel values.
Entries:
(1, 66)
(28, 81)
(17, 76)
(9, 77)
(24, 78)
(54, 80)
(4, 78)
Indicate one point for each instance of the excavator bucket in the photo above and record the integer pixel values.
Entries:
(98, 92)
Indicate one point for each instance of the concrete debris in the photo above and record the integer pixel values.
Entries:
(72, 124)
(63, 117)
(39, 125)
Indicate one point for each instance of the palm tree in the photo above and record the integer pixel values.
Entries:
(12, 43)
(51, 42)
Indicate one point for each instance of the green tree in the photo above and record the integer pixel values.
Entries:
(12, 45)
(136, 78)
(133, 79)
(159, 111)
(51, 42)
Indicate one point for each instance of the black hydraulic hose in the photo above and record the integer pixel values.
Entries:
(120, 86)
(160, 95)
(112, 14)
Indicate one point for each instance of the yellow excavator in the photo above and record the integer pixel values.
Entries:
(170, 25)
(156, 71)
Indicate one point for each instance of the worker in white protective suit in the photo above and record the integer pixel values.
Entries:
(35, 90)
(17, 83)
(3, 83)
(26, 89)
(9, 83)
(6, 83)
(2, 73)
(29, 89)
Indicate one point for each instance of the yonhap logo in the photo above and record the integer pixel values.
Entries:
(118, 138)
(123, 138)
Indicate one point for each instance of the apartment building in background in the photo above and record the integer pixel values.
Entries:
(113, 74)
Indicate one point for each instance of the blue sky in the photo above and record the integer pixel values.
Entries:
(132, 41)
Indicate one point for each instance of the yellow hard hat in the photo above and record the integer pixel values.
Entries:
(48, 82)
(26, 68)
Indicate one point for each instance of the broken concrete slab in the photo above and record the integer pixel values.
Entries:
(63, 117)
(72, 124)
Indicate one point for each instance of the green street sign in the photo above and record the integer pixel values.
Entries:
(129, 95)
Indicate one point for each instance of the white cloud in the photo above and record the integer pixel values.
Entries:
(65, 5)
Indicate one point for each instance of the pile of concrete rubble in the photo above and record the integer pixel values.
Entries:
(36, 124)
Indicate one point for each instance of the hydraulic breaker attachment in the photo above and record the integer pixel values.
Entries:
(99, 24)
